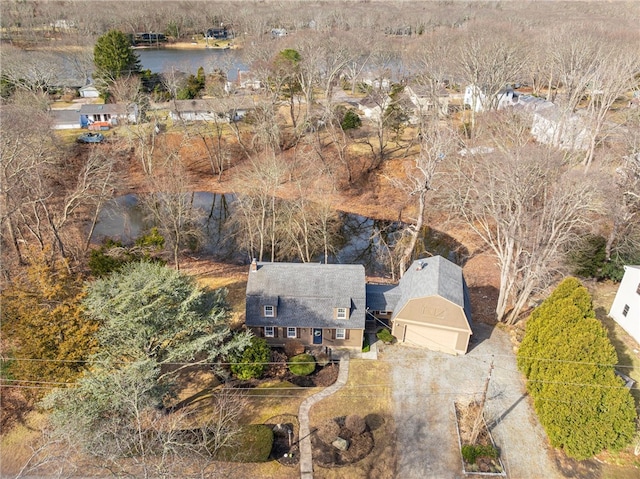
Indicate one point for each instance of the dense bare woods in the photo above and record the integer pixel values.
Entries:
(579, 55)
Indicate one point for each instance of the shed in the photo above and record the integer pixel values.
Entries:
(89, 91)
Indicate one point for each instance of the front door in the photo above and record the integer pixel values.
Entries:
(317, 336)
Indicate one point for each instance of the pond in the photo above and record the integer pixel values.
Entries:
(360, 239)
(160, 60)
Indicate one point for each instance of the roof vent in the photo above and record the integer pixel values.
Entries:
(421, 264)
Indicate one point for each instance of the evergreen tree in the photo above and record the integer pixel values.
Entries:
(569, 362)
(153, 322)
(253, 360)
(149, 311)
(114, 57)
(43, 323)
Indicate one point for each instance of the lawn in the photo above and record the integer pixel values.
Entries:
(367, 393)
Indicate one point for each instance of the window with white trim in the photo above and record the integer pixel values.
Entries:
(291, 333)
(625, 310)
(341, 313)
(268, 332)
(341, 333)
(269, 311)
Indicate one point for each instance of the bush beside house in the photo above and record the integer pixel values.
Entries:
(569, 362)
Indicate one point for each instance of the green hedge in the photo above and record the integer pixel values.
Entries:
(569, 361)
(366, 347)
(253, 444)
(302, 365)
(385, 336)
(253, 361)
(471, 453)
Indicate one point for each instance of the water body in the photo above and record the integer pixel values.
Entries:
(189, 60)
(362, 240)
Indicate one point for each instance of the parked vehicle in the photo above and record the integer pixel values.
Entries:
(90, 138)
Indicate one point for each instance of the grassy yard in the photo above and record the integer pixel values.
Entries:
(367, 394)
(14, 445)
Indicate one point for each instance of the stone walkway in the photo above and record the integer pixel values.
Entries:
(306, 458)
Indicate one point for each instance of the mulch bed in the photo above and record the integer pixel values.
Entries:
(466, 414)
(282, 451)
(326, 455)
(323, 376)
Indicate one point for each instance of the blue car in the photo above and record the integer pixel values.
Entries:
(91, 138)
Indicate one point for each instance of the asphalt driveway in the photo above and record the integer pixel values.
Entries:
(425, 386)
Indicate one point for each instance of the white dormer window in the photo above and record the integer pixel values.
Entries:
(269, 311)
(341, 313)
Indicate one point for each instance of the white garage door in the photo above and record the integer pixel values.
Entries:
(434, 339)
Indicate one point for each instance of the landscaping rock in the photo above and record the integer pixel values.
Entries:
(341, 444)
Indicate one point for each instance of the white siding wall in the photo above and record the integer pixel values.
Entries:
(628, 295)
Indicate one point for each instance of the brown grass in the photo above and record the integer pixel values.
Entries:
(275, 399)
(14, 445)
(366, 393)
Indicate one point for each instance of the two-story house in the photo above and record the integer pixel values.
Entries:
(329, 304)
(316, 304)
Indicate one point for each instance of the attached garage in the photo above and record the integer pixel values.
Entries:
(433, 322)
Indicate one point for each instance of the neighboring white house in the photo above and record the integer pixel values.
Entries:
(566, 131)
(477, 99)
(111, 113)
(422, 99)
(377, 82)
(372, 109)
(278, 32)
(625, 309)
(89, 91)
(246, 80)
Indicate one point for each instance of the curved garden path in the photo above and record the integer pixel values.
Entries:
(306, 457)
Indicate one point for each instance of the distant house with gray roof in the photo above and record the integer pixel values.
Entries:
(111, 113)
(330, 304)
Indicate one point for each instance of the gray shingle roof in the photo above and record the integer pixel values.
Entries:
(306, 294)
(108, 108)
(430, 277)
(382, 297)
(434, 276)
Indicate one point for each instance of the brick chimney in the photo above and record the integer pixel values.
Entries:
(254, 266)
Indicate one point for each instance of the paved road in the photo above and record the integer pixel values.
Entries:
(425, 385)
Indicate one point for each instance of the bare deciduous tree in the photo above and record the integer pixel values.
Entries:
(170, 204)
(490, 58)
(436, 144)
(258, 205)
(526, 207)
(611, 78)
